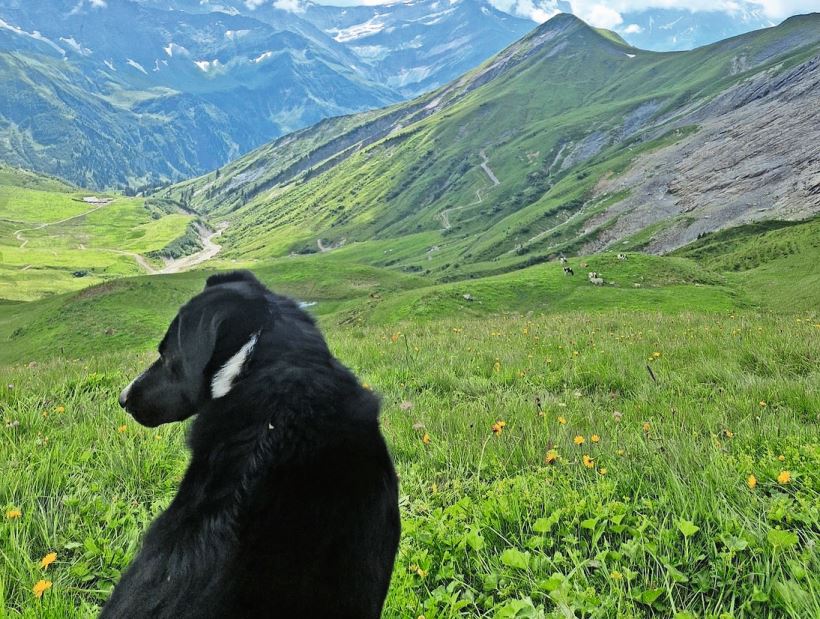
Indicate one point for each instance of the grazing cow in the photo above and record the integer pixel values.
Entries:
(568, 271)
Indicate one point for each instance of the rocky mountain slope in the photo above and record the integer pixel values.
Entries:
(555, 145)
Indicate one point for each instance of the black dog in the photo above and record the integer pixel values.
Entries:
(289, 507)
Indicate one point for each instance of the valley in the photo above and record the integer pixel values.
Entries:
(581, 276)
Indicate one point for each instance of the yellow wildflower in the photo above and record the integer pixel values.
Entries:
(498, 427)
(122, 428)
(578, 440)
(781, 457)
(751, 481)
(602, 470)
(48, 560)
(60, 409)
(425, 439)
(595, 438)
(551, 457)
(762, 404)
(562, 420)
(588, 462)
(40, 587)
(13, 513)
(784, 478)
(646, 426)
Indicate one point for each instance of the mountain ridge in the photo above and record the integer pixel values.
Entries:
(129, 94)
(602, 104)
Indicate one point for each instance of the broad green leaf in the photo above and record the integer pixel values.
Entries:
(781, 539)
(513, 557)
(688, 528)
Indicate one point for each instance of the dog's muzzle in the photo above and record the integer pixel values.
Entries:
(123, 399)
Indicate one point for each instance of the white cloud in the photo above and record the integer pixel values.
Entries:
(95, 4)
(780, 9)
(608, 13)
(600, 16)
(539, 12)
(633, 29)
(254, 4)
(208, 65)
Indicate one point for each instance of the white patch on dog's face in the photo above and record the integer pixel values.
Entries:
(124, 393)
(223, 380)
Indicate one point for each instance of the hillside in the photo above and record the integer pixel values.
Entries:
(552, 146)
(133, 93)
(130, 313)
(55, 237)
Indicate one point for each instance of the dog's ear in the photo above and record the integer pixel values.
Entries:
(231, 276)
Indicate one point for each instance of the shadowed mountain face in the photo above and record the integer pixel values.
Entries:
(418, 45)
(568, 140)
(121, 93)
(117, 93)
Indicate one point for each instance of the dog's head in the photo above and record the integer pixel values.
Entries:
(210, 345)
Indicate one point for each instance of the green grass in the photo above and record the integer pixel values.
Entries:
(662, 525)
(52, 241)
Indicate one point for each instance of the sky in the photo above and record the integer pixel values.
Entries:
(607, 13)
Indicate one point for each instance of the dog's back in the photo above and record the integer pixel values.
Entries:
(324, 528)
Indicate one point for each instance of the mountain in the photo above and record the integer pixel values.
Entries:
(567, 141)
(116, 93)
(120, 93)
(680, 29)
(421, 44)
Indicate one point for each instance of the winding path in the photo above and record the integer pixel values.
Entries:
(18, 234)
(208, 251)
(485, 165)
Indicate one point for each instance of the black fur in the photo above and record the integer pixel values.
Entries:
(289, 507)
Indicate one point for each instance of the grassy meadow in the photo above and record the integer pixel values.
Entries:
(612, 464)
(51, 241)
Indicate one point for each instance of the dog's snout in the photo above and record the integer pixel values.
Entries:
(123, 399)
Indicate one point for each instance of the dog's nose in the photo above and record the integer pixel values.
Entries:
(123, 399)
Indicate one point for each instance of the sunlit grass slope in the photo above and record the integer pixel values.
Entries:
(51, 240)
